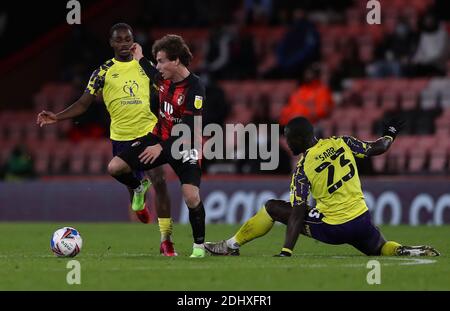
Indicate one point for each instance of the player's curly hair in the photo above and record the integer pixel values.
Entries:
(175, 47)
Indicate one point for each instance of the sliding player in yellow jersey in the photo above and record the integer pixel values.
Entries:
(327, 169)
(126, 92)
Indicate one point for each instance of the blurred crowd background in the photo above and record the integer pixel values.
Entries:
(263, 62)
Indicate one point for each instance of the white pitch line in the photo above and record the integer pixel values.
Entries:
(401, 261)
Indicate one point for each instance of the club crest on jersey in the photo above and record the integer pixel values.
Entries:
(180, 100)
(198, 102)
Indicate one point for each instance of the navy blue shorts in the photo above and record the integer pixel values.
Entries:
(119, 147)
(360, 232)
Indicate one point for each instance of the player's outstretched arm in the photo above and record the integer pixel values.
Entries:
(390, 131)
(148, 66)
(295, 223)
(77, 108)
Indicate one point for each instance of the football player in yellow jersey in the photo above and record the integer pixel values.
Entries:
(328, 170)
(126, 93)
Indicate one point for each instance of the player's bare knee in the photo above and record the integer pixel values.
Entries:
(192, 200)
(191, 195)
(117, 166)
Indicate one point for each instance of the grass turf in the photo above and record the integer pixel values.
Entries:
(118, 256)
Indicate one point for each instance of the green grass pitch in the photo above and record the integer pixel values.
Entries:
(119, 256)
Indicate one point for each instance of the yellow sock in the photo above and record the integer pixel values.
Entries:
(257, 226)
(389, 248)
(165, 227)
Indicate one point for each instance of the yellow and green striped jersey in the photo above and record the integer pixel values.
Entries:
(328, 170)
(126, 92)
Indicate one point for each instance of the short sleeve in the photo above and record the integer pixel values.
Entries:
(358, 147)
(96, 82)
(300, 186)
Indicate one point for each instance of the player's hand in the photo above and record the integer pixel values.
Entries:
(136, 50)
(46, 117)
(393, 127)
(150, 154)
(283, 254)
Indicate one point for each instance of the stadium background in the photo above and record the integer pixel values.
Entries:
(45, 64)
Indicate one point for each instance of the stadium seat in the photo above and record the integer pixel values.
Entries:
(328, 127)
(379, 163)
(60, 157)
(439, 84)
(41, 154)
(445, 99)
(40, 102)
(398, 153)
(439, 160)
(418, 84)
(408, 100)
(241, 113)
(5, 150)
(364, 124)
(442, 124)
(98, 156)
(77, 160)
(429, 99)
(370, 99)
(389, 100)
(419, 152)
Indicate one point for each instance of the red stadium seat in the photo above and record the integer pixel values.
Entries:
(442, 124)
(419, 152)
(98, 156)
(60, 157)
(445, 99)
(370, 99)
(379, 163)
(429, 99)
(418, 84)
(408, 99)
(327, 126)
(389, 100)
(398, 153)
(439, 160)
(77, 160)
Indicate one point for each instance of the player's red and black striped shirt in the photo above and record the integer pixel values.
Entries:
(179, 102)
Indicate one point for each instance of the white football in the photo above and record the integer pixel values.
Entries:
(66, 242)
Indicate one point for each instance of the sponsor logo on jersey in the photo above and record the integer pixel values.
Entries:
(168, 108)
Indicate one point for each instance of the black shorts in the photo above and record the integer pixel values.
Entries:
(187, 168)
(120, 146)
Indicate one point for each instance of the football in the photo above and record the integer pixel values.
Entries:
(66, 242)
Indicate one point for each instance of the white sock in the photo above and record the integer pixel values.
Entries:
(199, 246)
(231, 243)
(139, 189)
